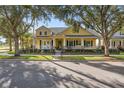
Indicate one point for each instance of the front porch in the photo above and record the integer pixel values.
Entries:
(68, 43)
(115, 43)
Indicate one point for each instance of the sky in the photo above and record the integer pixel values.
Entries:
(52, 23)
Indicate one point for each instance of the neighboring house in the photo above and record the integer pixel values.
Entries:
(66, 38)
(117, 40)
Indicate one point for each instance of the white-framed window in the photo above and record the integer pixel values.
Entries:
(113, 43)
(88, 43)
(45, 33)
(40, 33)
(73, 42)
(121, 32)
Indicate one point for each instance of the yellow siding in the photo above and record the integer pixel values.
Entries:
(70, 31)
(61, 36)
(37, 43)
(43, 30)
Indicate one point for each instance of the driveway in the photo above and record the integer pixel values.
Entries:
(36, 74)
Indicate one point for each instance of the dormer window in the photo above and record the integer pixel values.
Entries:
(40, 33)
(121, 32)
(45, 33)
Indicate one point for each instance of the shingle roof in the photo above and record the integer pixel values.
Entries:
(118, 37)
(41, 27)
(57, 30)
(94, 33)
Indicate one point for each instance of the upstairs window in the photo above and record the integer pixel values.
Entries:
(121, 32)
(45, 33)
(40, 33)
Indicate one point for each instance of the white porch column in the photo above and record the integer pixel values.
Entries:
(98, 43)
(110, 43)
(122, 43)
(102, 43)
(82, 42)
(54, 43)
(64, 42)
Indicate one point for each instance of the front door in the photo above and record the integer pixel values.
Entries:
(59, 44)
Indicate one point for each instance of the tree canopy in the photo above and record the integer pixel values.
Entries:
(106, 20)
(17, 20)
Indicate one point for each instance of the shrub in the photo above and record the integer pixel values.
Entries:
(114, 51)
(89, 51)
(120, 48)
(36, 51)
(69, 51)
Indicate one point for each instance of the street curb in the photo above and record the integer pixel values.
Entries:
(62, 60)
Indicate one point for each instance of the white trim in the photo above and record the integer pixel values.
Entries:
(64, 42)
(82, 42)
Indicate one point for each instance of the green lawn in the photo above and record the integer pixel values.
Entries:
(82, 58)
(119, 57)
(73, 58)
(28, 57)
(121, 53)
(93, 58)
(11, 52)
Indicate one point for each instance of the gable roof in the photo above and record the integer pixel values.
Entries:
(57, 30)
(94, 33)
(41, 27)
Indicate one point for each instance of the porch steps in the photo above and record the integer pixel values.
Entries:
(58, 52)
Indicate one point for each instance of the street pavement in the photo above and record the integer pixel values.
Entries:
(61, 74)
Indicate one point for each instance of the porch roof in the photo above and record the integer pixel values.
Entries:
(81, 36)
(118, 37)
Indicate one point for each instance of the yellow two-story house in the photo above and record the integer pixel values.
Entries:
(64, 38)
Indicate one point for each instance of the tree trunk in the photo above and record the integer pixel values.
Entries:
(10, 44)
(21, 43)
(106, 51)
(16, 39)
(106, 48)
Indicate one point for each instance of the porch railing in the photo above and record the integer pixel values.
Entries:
(79, 47)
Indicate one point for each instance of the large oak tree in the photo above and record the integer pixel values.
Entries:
(21, 17)
(104, 19)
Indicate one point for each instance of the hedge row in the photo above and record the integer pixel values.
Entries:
(90, 51)
(36, 51)
(69, 51)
